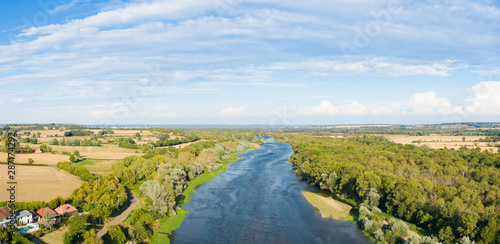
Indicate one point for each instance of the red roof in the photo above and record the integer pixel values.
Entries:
(4, 212)
(66, 208)
(43, 210)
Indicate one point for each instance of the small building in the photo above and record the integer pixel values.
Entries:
(24, 217)
(66, 210)
(52, 213)
(4, 216)
(37, 150)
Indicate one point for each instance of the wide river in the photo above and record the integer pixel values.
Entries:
(258, 199)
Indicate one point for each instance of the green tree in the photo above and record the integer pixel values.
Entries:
(446, 234)
(47, 221)
(162, 198)
(76, 153)
(399, 229)
(43, 148)
(331, 181)
(141, 232)
(367, 181)
(90, 237)
(116, 234)
(372, 198)
(72, 158)
(30, 161)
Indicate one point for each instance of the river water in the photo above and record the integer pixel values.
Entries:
(258, 199)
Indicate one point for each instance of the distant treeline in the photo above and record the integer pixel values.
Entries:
(78, 133)
(76, 142)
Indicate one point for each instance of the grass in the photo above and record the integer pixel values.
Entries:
(55, 236)
(169, 224)
(329, 207)
(97, 166)
(352, 202)
(369, 235)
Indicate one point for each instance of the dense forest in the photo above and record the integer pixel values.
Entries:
(451, 194)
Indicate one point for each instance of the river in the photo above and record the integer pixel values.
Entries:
(258, 199)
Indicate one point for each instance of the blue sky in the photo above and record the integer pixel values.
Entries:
(249, 62)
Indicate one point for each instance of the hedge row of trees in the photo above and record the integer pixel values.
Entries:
(78, 133)
(128, 143)
(454, 194)
(76, 142)
(165, 141)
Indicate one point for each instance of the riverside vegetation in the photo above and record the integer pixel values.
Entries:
(447, 195)
(162, 179)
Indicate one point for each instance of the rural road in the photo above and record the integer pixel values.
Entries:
(118, 219)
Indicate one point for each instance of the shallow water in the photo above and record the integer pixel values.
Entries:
(258, 199)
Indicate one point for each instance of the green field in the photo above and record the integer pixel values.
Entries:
(97, 166)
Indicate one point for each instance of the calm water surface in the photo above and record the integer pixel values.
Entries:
(258, 199)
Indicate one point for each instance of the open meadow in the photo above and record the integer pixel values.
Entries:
(97, 166)
(39, 183)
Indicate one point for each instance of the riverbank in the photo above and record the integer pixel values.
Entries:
(328, 207)
(169, 224)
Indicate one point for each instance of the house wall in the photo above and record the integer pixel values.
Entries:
(26, 219)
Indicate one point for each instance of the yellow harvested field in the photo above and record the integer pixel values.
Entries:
(131, 132)
(438, 142)
(45, 132)
(359, 126)
(39, 158)
(39, 183)
(327, 206)
(105, 151)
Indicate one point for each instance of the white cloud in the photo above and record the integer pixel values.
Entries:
(485, 98)
(429, 103)
(326, 108)
(372, 66)
(230, 112)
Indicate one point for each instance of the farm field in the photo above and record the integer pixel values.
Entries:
(105, 151)
(437, 141)
(39, 158)
(122, 133)
(39, 183)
